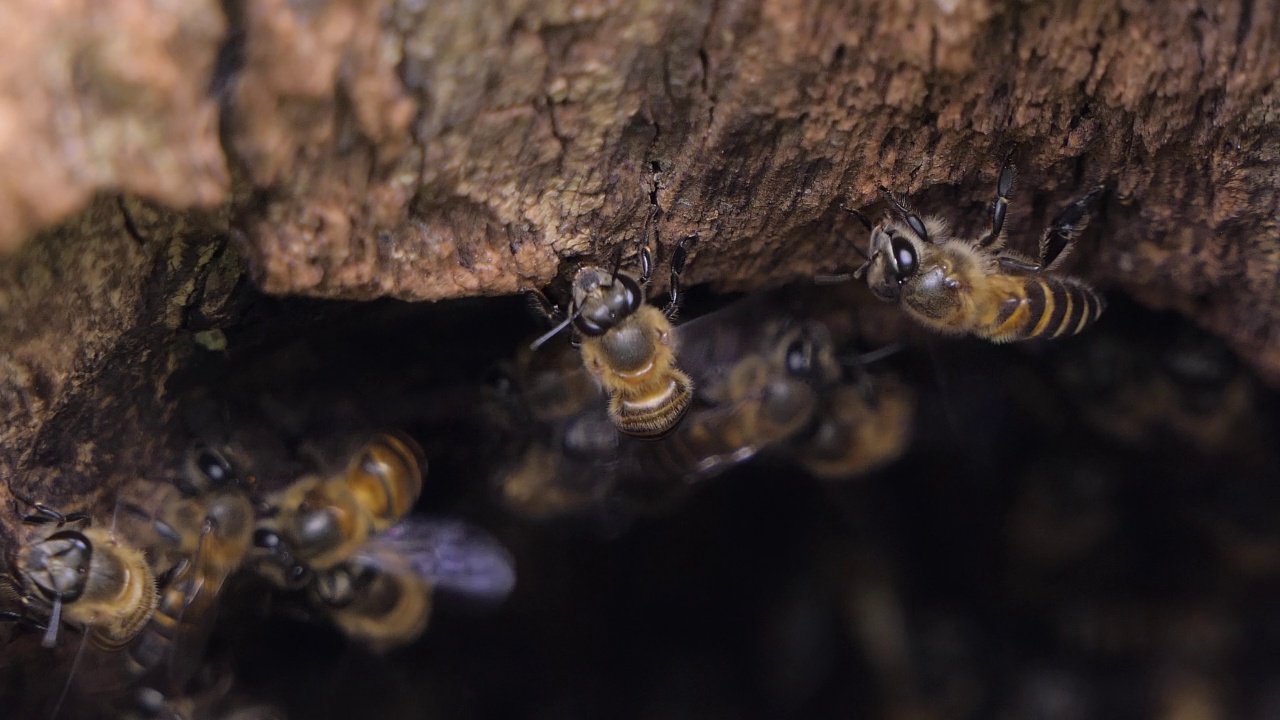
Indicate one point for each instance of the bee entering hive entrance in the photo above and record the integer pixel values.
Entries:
(954, 529)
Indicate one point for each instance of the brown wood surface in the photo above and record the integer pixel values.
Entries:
(353, 149)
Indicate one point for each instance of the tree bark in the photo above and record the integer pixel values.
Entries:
(422, 151)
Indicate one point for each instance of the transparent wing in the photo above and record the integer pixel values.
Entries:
(455, 556)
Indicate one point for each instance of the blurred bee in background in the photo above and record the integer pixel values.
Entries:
(87, 578)
(217, 701)
(194, 533)
(382, 595)
(1183, 387)
(928, 662)
(628, 345)
(976, 286)
(769, 395)
(861, 427)
(319, 521)
(757, 367)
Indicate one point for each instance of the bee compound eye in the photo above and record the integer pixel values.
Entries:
(632, 295)
(266, 539)
(214, 467)
(799, 357)
(904, 258)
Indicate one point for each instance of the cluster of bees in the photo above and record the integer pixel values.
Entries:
(142, 589)
(634, 408)
(622, 415)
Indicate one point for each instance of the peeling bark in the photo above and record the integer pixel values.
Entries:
(433, 150)
(450, 149)
(106, 96)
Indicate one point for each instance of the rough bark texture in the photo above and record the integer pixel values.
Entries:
(106, 95)
(157, 155)
(433, 150)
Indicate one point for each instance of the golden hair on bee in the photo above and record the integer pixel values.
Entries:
(860, 429)
(323, 519)
(976, 287)
(629, 345)
(87, 578)
(200, 530)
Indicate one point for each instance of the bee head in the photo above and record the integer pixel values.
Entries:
(57, 566)
(205, 469)
(895, 258)
(337, 587)
(808, 352)
(318, 529)
(603, 299)
(276, 563)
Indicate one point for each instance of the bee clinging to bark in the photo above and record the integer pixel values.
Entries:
(86, 577)
(978, 287)
(629, 345)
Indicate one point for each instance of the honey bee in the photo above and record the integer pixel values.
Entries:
(766, 407)
(87, 578)
(382, 595)
(320, 521)
(977, 287)
(204, 515)
(757, 368)
(194, 533)
(567, 471)
(628, 345)
(860, 428)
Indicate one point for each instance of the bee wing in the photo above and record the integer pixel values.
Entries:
(456, 557)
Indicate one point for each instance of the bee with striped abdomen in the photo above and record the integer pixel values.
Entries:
(768, 396)
(628, 344)
(977, 287)
(320, 520)
(203, 523)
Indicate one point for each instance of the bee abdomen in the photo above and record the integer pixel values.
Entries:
(1050, 307)
(654, 415)
(141, 598)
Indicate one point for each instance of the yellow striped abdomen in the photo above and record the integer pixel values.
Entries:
(1047, 306)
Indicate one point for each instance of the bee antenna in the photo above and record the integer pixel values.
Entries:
(66, 687)
(877, 355)
(51, 633)
(861, 218)
(555, 330)
(617, 265)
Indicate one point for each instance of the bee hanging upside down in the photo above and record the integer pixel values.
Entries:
(629, 345)
(976, 286)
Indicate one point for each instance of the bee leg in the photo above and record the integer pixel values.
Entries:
(541, 305)
(650, 225)
(9, 616)
(678, 259)
(912, 220)
(837, 278)
(1017, 265)
(646, 265)
(993, 238)
(1059, 240)
(43, 514)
